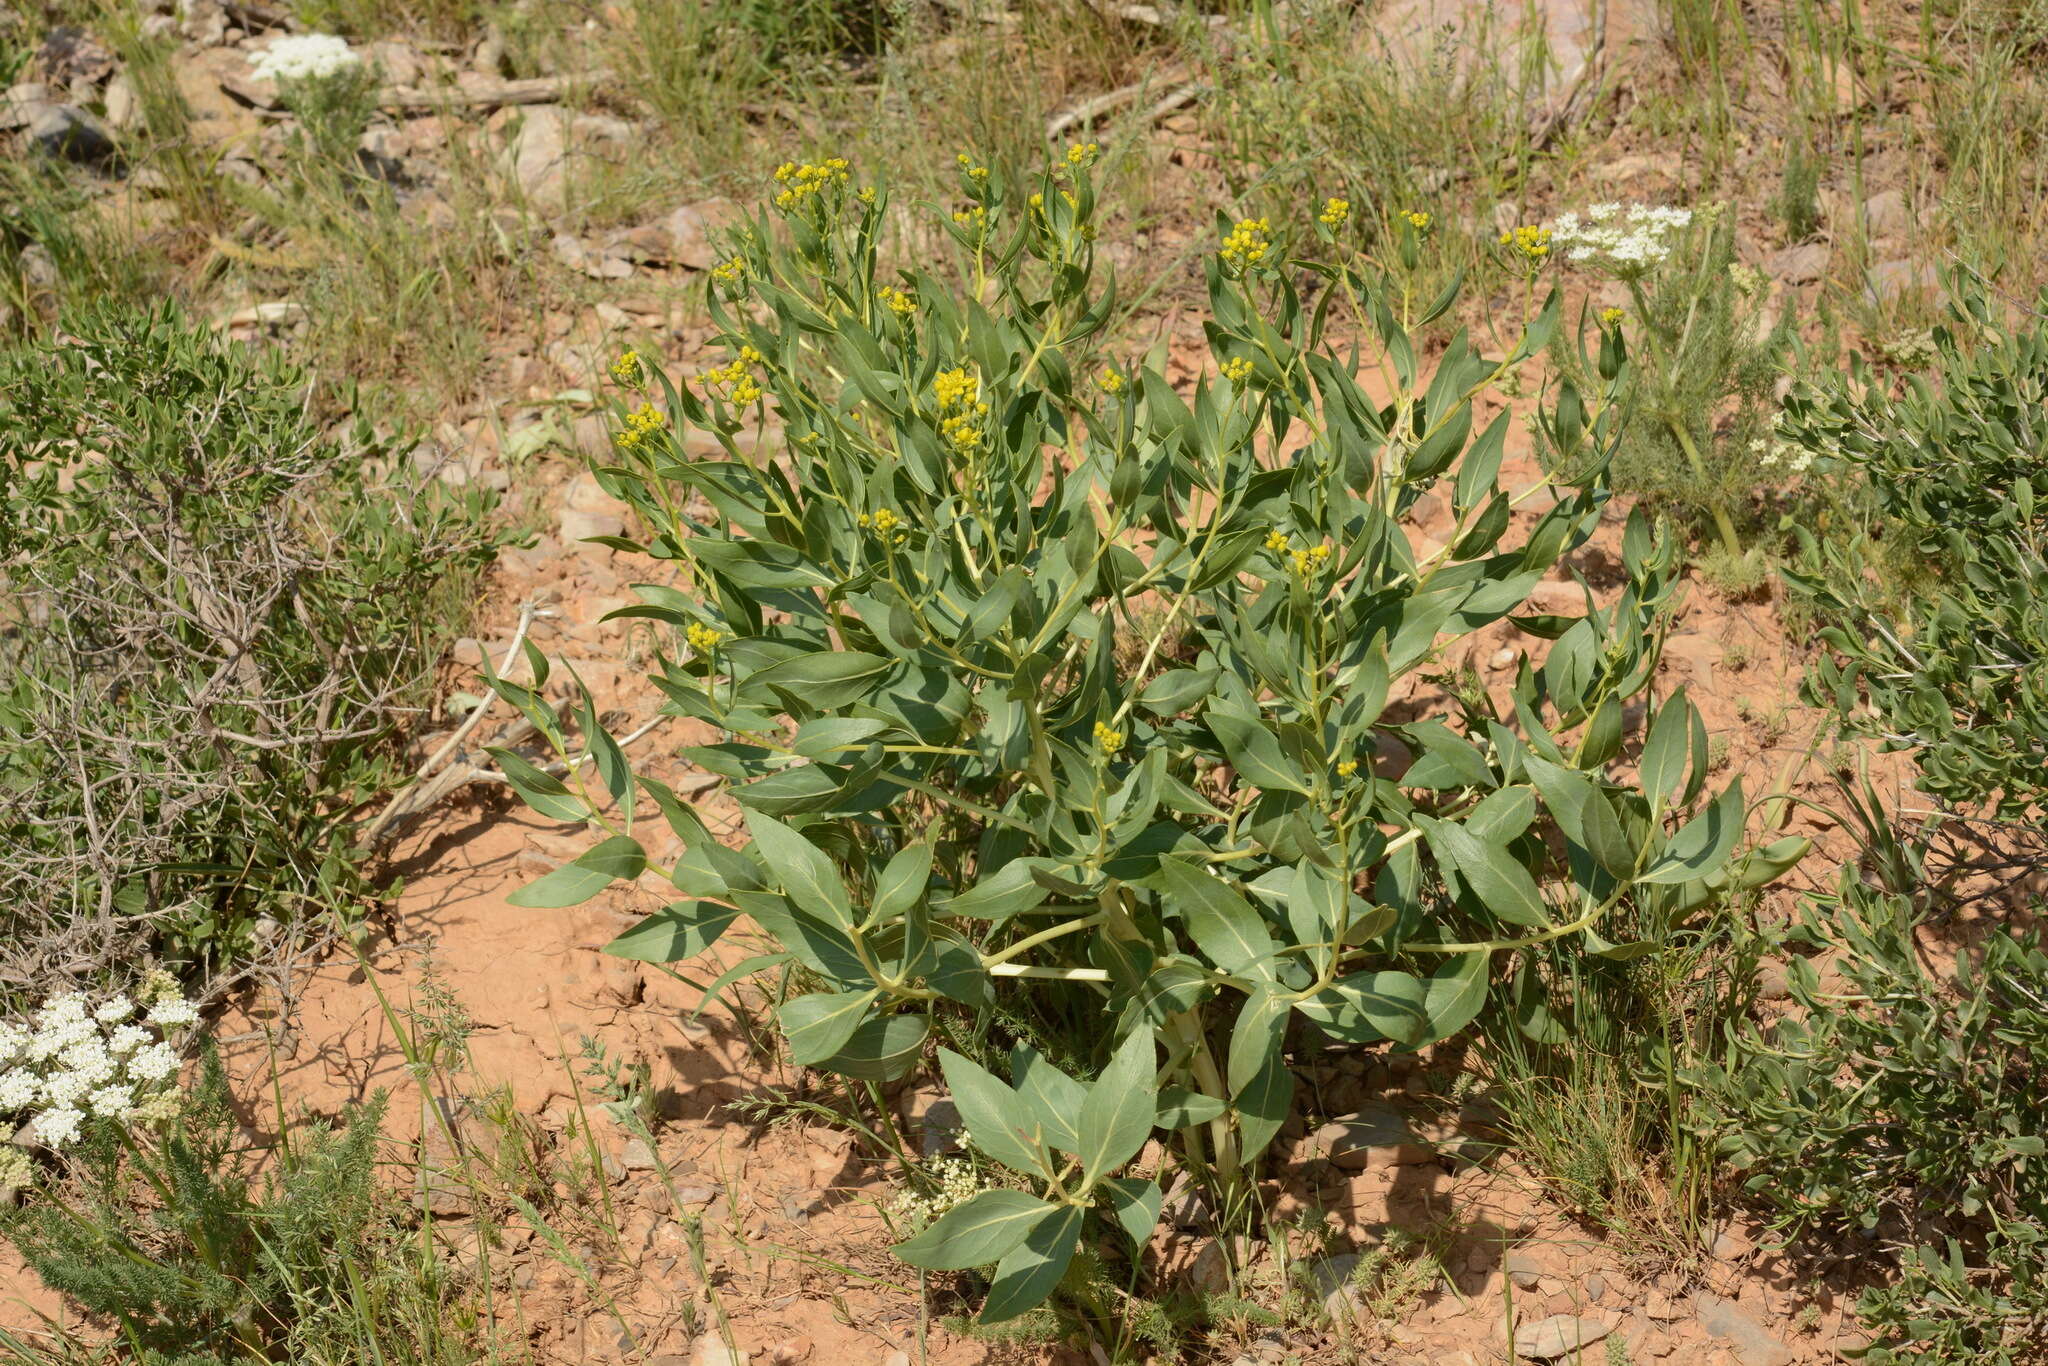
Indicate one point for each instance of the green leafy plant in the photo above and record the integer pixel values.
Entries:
(1096, 696)
(1703, 388)
(165, 1228)
(216, 616)
(1899, 1105)
(1948, 646)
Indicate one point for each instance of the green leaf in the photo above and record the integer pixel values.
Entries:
(1366, 1006)
(542, 791)
(1176, 690)
(1054, 1097)
(680, 930)
(976, 1232)
(1136, 1202)
(591, 872)
(1456, 992)
(1702, 845)
(825, 680)
(818, 1026)
(823, 948)
(883, 1049)
(1263, 1104)
(901, 883)
(1503, 886)
(1223, 924)
(1000, 1121)
(1117, 1117)
(1180, 1108)
(1031, 1270)
(993, 608)
(1010, 890)
(825, 737)
(1664, 753)
(801, 867)
(1261, 1026)
(1255, 752)
(1531, 1007)
(607, 758)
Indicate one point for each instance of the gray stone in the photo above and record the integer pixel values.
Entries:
(940, 1131)
(1209, 1274)
(1802, 264)
(123, 110)
(1331, 1278)
(589, 511)
(65, 130)
(692, 228)
(1559, 1335)
(1753, 1345)
(21, 104)
(539, 155)
(1524, 1270)
(636, 1156)
(709, 1350)
(1376, 1136)
(1890, 280)
(1886, 214)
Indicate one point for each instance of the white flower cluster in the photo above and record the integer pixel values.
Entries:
(957, 1183)
(1628, 239)
(79, 1059)
(305, 57)
(1774, 454)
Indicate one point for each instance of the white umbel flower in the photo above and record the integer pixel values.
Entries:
(1627, 239)
(153, 1063)
(172, 1012)
(305, 57)
(58, 1126)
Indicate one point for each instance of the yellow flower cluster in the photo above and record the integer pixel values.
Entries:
(1417, 220)
(1108, 739)
(1347, 768)
(956, 388)
(1335, 211)
(703, 639)
(1530, 242)
(1083, 153)
(1276, 540)
(1611, 316)
(959, 429)
(744, 388)
(1248, 243)
(730, 272)
(900, 302)
(975, 220)
(1109, 381)
(802, 181)
(885, 524)
(627, 368)
(1311, 560)
(969, 169)
(641, 425)
(1237, 371)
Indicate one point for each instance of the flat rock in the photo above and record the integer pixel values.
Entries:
(1886, 214)
(22, 103)
(691, 229)
(1559, 1335)
(1890, 280)
(1753, 1345)
(1801, 264)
